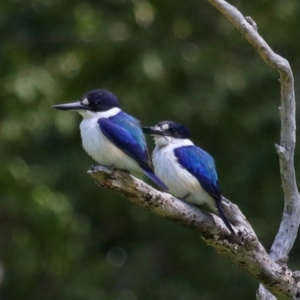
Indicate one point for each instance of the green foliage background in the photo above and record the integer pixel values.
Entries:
(61, 237)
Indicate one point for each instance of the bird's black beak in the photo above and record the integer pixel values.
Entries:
(153, 131)
(70, 106)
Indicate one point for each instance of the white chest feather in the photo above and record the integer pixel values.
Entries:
(179, 180)
(100, 148)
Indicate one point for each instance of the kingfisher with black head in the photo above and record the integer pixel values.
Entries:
(187, 170)
(110, 136)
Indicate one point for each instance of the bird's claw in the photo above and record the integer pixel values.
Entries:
(113, 169)
(185, 197)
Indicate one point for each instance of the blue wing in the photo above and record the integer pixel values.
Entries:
(201, 165)
(125, 132)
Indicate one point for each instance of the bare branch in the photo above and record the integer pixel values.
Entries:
(288, 229)
(243, 250)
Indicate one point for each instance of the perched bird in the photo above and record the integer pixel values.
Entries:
(110, 136)
(186, 169)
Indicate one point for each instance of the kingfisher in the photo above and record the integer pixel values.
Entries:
(110, 136)
(187, 170)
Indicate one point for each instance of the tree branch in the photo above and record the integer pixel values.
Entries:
(288, 229)
(243, 250)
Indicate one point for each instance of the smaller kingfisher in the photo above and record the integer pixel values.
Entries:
(186, 169)
(110, 136)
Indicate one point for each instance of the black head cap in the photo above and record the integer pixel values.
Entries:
(99, 100)
(168, 128)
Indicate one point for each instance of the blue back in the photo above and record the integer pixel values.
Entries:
(201, 165)
(125, 132)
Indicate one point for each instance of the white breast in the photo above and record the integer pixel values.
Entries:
(179, 180)
(101, 149)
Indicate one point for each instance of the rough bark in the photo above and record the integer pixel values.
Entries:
(243, 250)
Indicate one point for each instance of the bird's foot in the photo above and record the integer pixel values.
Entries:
(125, 171)
(183, 199)
(113, 168)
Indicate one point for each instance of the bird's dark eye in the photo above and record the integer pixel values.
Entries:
(172, 129)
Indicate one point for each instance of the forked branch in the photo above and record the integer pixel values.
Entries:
(288, 229)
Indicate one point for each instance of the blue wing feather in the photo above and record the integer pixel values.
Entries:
(125, 132)
(201, 165)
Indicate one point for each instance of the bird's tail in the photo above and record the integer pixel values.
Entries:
(223, 217)
(155, 179)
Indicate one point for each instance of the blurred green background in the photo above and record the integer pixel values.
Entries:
(62, 237)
